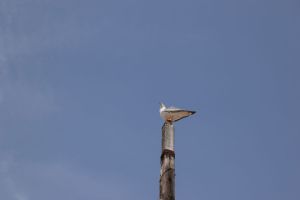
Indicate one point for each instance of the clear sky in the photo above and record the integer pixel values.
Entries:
(81, 82)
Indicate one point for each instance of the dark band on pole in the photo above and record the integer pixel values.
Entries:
(167, 153)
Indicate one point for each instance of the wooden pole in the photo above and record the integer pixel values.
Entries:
(167, 162)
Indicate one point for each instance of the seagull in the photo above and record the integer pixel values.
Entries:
(172, 114)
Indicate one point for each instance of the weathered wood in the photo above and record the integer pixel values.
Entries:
(168, 136)
(167, 170)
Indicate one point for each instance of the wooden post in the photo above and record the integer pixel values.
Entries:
(167, 162)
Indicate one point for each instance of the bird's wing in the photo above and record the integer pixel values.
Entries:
(179, 113)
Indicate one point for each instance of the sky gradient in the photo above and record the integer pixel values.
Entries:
(81, 82)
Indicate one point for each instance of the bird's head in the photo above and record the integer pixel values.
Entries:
(162, 106)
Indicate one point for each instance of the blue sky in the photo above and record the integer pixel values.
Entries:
(81, 82)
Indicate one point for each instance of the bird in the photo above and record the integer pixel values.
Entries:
(172, 114)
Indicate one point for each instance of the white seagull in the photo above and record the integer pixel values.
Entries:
(173, 114)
